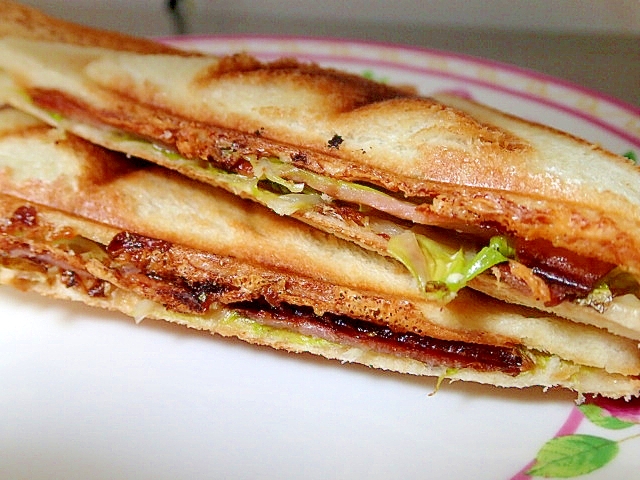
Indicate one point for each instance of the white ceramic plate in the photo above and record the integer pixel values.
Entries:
(90, 394)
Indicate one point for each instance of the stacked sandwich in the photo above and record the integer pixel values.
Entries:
(313, 210)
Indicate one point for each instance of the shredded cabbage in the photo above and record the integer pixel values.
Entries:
(293, 178)
(598, 299)
(264, 169)
(83, 247)
(142, 309)
(441, 269)
(615, 283)
(631, 155)
(499, 250)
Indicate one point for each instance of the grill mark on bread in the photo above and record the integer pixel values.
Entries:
(212, 143)
(346, 92)
(240, 62)
(24, 131)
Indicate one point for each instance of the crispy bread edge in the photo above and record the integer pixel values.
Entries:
(552, 372)
(23, 21)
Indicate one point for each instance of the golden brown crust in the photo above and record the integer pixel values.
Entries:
(23, 21)
(553, 372)
(618, 320)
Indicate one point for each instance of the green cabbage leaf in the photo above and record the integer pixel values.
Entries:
(441, 270)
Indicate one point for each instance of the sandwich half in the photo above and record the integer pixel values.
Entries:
(82, 223)
(459, 193)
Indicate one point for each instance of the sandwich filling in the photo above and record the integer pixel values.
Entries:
(444, 251)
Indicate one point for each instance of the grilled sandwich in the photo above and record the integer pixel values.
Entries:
(82, 223)
(430, 200)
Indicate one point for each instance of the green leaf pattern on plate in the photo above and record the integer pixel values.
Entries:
(600, 417)
(573, 455)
